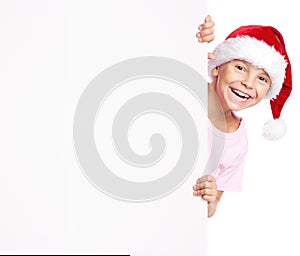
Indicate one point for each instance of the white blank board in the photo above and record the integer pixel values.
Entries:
(51, 52)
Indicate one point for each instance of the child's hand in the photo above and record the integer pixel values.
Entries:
(206, 30)
(206, 187)
(206, 33)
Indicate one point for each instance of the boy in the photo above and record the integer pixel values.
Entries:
(250, 65)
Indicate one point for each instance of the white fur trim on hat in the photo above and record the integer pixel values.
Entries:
(258, 53)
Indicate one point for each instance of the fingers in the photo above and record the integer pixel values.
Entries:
(208, 23)
(205, 39)
(206, 187)
(206, 35)
(208, 18)
(206, 178)
(205, 192)
(209, 195)
(206, 30)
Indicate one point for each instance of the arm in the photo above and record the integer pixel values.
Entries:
(206, 187)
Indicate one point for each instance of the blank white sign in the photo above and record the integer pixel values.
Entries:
(51, 53)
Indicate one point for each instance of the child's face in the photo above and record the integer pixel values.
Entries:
(239, 85)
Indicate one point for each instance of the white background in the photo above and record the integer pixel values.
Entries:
(50, 51)
(35, 126)
(264, 218)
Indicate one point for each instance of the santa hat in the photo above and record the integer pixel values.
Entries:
(262, 46)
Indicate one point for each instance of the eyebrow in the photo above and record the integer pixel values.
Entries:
(242, 61)
(264, 72)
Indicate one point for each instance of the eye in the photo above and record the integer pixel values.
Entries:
(264, 79)
(240, 67)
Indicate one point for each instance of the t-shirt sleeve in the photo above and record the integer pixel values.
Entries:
(230, 178)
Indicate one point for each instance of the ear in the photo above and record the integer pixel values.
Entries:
(215, 71)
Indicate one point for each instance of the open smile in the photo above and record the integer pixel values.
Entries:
(240, 94)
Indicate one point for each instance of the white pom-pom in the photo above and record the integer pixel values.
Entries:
(274, 129)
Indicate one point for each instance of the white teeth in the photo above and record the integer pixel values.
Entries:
(240, 94)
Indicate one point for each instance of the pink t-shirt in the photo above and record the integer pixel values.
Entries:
(229, 174)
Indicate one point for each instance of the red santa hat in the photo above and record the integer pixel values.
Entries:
(264, 47)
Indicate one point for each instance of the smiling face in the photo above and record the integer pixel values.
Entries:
(239, 85)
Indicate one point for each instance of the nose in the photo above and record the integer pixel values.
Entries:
(248, 82)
